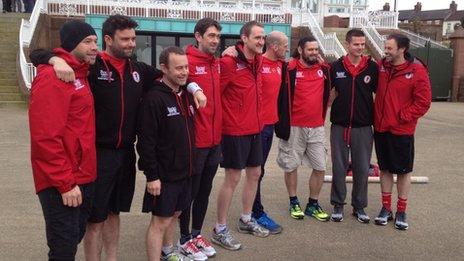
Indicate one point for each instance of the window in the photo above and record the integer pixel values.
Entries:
(143, 48)
(437, 22)
(336, 10)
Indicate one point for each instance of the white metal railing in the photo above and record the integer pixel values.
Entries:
(419, 40)
(328, 43)
(363, 20)
(377, 19)
(26, 32)
(191, 10)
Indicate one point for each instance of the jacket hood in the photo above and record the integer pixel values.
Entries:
(195, 52)
(161, 86)
(355, 70)
(410, 60)
(239, 46)
(80, 68)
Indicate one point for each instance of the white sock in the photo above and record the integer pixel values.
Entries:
(167, 249)
(245, 217)
(220, 227)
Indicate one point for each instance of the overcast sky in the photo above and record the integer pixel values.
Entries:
(409, 4)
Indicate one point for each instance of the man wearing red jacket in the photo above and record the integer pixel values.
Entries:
(241, 140)
(63, 154)
(403, 96)
(204, 70)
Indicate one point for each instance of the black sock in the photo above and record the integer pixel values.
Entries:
(195, 233)
(312, 201)
(294, 200)
(184, 238)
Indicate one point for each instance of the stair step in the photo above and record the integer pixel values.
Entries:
(16, 104)
(11, 97)
(9, 73)
(11, 81)
(9, 89)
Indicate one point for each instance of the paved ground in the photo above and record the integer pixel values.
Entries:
(435, 209)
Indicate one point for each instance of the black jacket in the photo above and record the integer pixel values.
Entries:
(354, 104)
(285, 99)
(166, 134)
(116, 101)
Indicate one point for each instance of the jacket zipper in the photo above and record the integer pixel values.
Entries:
(122, 113)
(348, 138)
(185, 116)
(214, 105)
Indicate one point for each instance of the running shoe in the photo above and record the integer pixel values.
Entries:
(383, 217)
(225, 240)
(361, 216)
(269, 224)
(337, 214)
(316, 212)
(252, 227)
(295, 211)
(190, 250)
(400, 221)
(204, 246)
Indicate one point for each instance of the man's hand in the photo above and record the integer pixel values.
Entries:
(200, 99)
(333, 95)
(63, 71)
(320, 59)
(230, 51)
(72, 198)
(154, 187)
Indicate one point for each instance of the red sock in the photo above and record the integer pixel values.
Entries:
(387, 200)
(401, 204)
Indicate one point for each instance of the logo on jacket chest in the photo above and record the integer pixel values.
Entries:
(172, 111)
(409, 75)
(241, 66)
(78, 84)
(106, 76)
(340, 75)
(367, 79)
(136, 77)
(200, 70)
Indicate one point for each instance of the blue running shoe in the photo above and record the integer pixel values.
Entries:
(268, 223)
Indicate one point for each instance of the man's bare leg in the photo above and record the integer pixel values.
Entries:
(249, 188)
(316, 180)
(111, 237)
(93, 241)
(226, 192)
(155, 234)
(291, 182)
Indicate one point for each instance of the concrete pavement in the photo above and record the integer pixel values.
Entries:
(435, 209)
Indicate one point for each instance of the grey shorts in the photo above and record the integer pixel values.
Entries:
(305, 145)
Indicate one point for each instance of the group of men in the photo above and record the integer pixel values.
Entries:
(88, 108)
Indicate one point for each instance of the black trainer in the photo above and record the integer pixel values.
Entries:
(400, 221)
(383, 217)
(361, 216)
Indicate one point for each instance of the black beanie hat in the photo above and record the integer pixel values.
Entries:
(73, 32)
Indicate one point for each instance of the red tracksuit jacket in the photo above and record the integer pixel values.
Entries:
(62, 127)
(204, 70)
(241, 94)
(403, 96)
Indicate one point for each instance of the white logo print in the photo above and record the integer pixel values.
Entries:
(200, 70)
(136, 77)
(78, 85)
(320, 73)
(340, 75)
(172, 111)
(192, 110)
(106, 75)
(279, 71)
(299, 74)
(240, 66)
(266, 70)
(367, 79)
(408, 76)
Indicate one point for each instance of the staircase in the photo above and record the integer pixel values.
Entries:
(9, 44)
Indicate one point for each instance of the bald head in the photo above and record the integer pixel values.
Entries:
(277, 45)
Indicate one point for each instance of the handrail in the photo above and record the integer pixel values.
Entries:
(26, 32)
(420, 40)
(328, 43)
(362, 20)
(378, 19)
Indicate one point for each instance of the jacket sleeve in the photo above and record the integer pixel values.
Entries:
(149, 74)
(147, 131)
(48, 112)
(282, 126)
(422, 98)
(226, 72)
(40, 56)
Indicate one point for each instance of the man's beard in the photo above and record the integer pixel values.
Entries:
(310, 61)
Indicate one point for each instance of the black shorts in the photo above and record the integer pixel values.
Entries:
(65, 226)
(206, 157)
(395, 153)
(175, 196)
(240, 152)
(115, 184)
